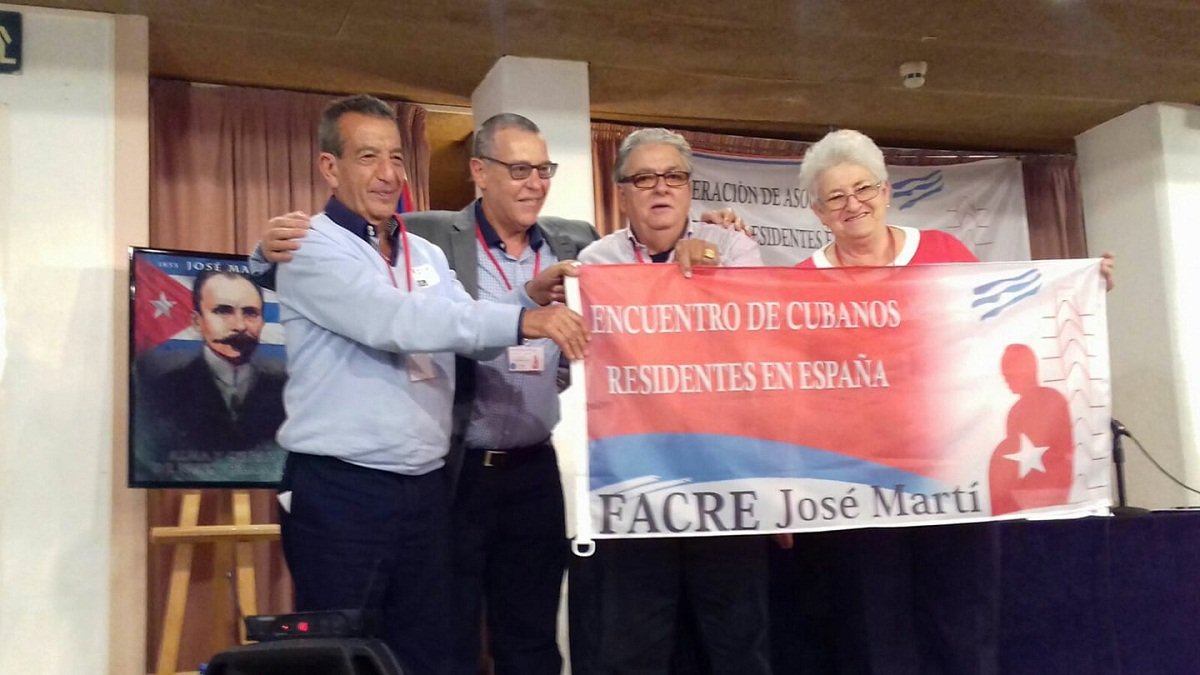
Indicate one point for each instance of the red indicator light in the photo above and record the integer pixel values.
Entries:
(302, 626)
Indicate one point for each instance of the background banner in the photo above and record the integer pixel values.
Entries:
(767, 400)
(981, 203)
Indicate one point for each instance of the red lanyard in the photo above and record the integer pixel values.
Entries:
(637, 251)
(407, 256)
(537, 258)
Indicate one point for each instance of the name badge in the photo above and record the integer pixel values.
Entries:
(526, 359)
(425, 276)
(421, 367)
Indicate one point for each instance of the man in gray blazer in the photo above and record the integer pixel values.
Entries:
(509, 532)
(508, 515)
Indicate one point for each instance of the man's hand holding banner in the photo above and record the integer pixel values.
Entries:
(774, 399)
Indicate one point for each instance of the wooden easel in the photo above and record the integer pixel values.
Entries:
(184, 538)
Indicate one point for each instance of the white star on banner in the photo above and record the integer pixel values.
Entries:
(1029, 457)
(163, 305)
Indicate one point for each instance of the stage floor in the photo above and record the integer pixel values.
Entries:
(1094, 596)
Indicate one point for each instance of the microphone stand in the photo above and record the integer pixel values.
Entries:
(1122, 509)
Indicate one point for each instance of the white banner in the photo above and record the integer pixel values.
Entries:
(981, 203)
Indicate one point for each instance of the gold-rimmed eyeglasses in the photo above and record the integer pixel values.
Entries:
(863, 194)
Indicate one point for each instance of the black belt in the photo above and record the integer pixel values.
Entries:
(508, 458)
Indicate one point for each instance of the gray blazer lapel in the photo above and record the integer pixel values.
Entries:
(563, 247)
(462, 250)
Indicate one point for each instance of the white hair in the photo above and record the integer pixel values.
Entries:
(844, 146)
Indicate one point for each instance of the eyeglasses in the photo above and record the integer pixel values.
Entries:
(863, 194)
(522, 170)
(647, 181)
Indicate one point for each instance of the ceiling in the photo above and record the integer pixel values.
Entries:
(1016, 75)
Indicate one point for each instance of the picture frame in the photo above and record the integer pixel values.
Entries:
(206, 375)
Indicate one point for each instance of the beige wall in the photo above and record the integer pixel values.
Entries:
(72, 196)
(1140, 179)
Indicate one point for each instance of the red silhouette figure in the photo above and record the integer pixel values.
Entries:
(1032, 466)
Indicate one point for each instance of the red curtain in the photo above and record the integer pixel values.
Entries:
(223, 160)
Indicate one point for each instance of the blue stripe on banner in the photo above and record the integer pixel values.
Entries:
(700, 458)
(1027, 294)
(915, 200)
(987, 288)
(922, 186)
(906, 187)
(1015, 288)
(1026, 285)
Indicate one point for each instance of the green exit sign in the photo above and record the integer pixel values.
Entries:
(10, 42)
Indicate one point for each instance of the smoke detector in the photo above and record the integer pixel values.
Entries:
(912, 74)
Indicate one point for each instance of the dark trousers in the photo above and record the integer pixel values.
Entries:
(510, 550)
(889, 601)
(357, 537)
(942, 586)
(638, 585)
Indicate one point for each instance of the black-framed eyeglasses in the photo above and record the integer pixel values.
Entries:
(863, 194)
(647, 180)
(522, 170)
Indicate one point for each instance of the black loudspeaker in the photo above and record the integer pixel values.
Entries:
(307, 656)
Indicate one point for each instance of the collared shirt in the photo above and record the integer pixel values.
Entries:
(622, 246)
(232, 381)
(360, 344)
(511, 410)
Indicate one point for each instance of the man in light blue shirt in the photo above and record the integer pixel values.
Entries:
(371, 313)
